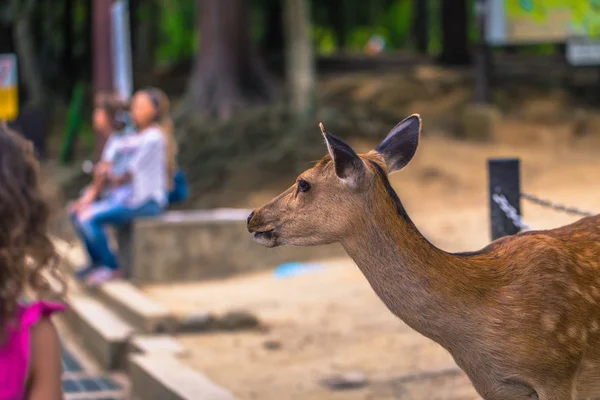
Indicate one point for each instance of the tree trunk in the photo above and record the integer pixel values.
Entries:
(146, 35)
(273, 42)
(300, 60)
(24, 44)
(421, 25)
(228, 74)
(32, 119)
(455, 46)
(67, 60)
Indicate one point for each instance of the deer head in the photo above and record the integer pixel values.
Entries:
(326, 201)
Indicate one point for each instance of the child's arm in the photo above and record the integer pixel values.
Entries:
(92, 192)
(46, 364)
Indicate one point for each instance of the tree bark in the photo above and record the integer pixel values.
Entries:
(24, 44)
(300, 60)
(273, 42)
(455, 46)
(228, 74)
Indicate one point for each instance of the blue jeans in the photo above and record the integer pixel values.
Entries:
(94, 258)
(92, 232)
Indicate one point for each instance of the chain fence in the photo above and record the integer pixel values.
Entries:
(511, 213)
(556, 206)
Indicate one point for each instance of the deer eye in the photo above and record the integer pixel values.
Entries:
(303, 186)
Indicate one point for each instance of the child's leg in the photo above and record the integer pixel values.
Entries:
(94, 260)
(99, 243)
(94, 232)
(113, 214)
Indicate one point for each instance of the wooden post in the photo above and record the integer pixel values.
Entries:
(504, 178)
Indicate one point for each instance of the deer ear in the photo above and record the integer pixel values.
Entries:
(400, 145)
(348, 165)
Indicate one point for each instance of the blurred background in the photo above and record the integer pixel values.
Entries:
(249, 81)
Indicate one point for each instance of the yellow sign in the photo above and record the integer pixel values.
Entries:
(9, 90)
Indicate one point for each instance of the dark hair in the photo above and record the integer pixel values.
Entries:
(155, 97)
(25, 246)
(115, 109)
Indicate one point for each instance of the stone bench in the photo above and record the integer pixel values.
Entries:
(201, 244)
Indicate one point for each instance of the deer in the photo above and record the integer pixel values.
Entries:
(521, 317)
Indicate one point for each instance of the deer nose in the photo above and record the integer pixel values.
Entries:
(248, 220)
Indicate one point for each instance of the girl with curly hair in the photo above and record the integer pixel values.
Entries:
(30, 356)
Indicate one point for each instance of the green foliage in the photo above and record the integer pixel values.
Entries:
(178, 38)
(73, 125)
(473, 30)
(541, 49)
(324, 40)
(397, 23)
(258, 21)
(435, 27)
(359, 36)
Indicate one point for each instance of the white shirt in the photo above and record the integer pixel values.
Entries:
(147, 167)
(117, 152)
(110, 147)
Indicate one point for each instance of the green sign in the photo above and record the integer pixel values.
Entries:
(541, 21)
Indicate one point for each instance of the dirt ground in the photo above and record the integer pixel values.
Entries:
(331, 321)
(325, 323)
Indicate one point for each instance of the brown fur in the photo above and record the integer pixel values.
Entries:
(521, 317)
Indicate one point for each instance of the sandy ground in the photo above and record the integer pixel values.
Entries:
(331, 321)
(325, 323)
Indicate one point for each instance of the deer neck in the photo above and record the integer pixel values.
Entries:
(427, 288)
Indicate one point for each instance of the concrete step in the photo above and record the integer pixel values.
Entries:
(99, 330)
(124, 298)
(160, 376)
(156, 344)
(94, 326)
(139, 310)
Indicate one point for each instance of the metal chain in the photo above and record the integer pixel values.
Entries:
(510, 211)
(556, 206)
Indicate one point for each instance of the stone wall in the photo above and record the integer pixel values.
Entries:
(195, 245)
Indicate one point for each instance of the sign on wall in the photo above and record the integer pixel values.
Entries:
(541, 21)
(9, 89)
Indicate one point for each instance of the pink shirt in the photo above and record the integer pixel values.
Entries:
(15, 353)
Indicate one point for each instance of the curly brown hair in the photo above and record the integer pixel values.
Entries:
(26, 250)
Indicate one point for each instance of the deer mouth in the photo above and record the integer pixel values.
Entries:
(266, 238)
